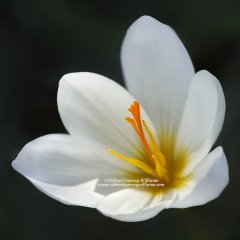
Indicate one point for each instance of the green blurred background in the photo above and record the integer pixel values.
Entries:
(40, 40)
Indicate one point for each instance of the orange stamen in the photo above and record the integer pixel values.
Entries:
(136, 123)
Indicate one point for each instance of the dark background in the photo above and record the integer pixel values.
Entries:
(42, 40)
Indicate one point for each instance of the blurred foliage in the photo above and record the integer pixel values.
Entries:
(40, 40)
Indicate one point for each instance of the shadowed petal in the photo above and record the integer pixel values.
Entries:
(212, 177)
(202, 118)
(132, 205)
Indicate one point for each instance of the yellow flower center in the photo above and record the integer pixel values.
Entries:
(161, 165)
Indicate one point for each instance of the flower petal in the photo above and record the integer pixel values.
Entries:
(157, 70)
(212, 177)
(61, 168)
(80, 195)
(94, 107)
(132, 205)
(202, 118)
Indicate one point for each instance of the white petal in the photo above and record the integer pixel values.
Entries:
(83, 194)
(157, 70)
(212, 176)
(132, 205)
(63, 169)
(94, 107)
(202, 118)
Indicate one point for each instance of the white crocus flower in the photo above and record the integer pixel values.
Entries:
(165, 135)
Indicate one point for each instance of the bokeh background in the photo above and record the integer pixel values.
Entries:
(40, 40)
